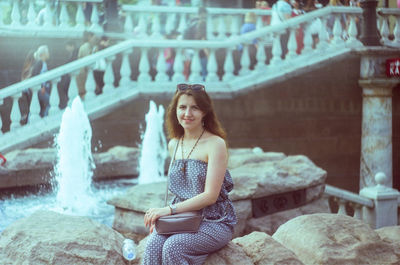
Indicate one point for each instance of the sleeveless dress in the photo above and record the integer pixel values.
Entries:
(215, 230)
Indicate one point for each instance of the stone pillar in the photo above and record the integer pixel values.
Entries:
(384, 212)
(376, 135)
(112, 21)
(369, 31)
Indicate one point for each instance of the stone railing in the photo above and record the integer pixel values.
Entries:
(50, 18)
(142, 69)
(376, 206)
(385, 14)
(154, 21)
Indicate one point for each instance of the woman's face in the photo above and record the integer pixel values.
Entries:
(188, 113)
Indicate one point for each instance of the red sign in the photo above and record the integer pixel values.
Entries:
(393, 67)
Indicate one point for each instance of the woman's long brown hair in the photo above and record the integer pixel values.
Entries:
(203, 100)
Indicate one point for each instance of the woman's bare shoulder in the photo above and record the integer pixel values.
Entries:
(172, 144)
(215, 141)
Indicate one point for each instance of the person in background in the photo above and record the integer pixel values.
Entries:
(42, 55)
(63, 85)
(265, 6)
(297, 11)
(100, 66)
(281, 11)
(89, 42)
(24, 101)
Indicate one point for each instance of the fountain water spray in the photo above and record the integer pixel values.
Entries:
(154, 147)
(75, 164)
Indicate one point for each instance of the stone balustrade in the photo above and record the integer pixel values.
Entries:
(376, 206)
(389, 38)
(221, 22)
(63, 18)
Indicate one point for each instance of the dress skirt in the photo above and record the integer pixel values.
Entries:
(187, 248)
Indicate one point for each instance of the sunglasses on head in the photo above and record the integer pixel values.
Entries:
(194, 87)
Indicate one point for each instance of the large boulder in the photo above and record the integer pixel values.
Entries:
(47, 237)
(335, 239)
(391, 235)
(34, 166)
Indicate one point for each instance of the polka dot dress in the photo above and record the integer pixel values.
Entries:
(215, 231)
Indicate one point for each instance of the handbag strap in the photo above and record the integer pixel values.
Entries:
(169, 170)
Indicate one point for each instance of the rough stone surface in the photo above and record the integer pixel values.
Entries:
(391, 235)
(243, 213)
(117, 161)
(270, 223)
(334, 239)
(51, 238)
(231, 254)
(263, 249)
(34, 166)
(259, 179)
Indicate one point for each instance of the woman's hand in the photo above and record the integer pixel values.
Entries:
(153, 214)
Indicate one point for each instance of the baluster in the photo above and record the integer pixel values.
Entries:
(385, 30)
(221, 28)
(54, 97)
(337, 33)
(90, 84)
(170, 24)
(161, 67)
(342, 206)
(259, 23)
(128, 26)
(235, 26)
(15, 14)
(108, 76)
(261, 57)
(292, 45)
(48, 16)
(245, 60)
(323, 35)
(80, 17)
(126, 69)
(178, 67)
(142, 25)
(396, 32)
(307, 40)
(31, 15)
(144, 67)
(64, 16)
(276, 50)
(195, 68)
(228, 65)
(155, 26)
(35, 105)
(73, 87)
(210, 28)
(1, 119)
(212, 67)
(352, 41)
(182, 23)
(94, 19)
(15, 114)
(357, 211)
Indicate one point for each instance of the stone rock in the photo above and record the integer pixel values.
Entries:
(260, 179)
(231, 254)
(116, 162)
(270, 223)
(30, 159)
(263, 249)
(244, 156)
(243, 213)
(334, 239)
(391, 235)
(47, 237)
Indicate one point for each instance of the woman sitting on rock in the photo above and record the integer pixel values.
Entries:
(198, 178)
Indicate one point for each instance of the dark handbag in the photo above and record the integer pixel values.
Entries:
(186, 222)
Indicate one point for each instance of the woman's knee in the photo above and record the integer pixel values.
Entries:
(171, 249)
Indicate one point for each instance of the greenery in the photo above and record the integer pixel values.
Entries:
(127, 2)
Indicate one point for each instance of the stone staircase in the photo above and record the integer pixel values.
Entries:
(334, 43)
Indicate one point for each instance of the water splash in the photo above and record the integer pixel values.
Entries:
(74, 168)
(154, 147)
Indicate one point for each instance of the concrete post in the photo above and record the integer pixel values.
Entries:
(385, 199)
